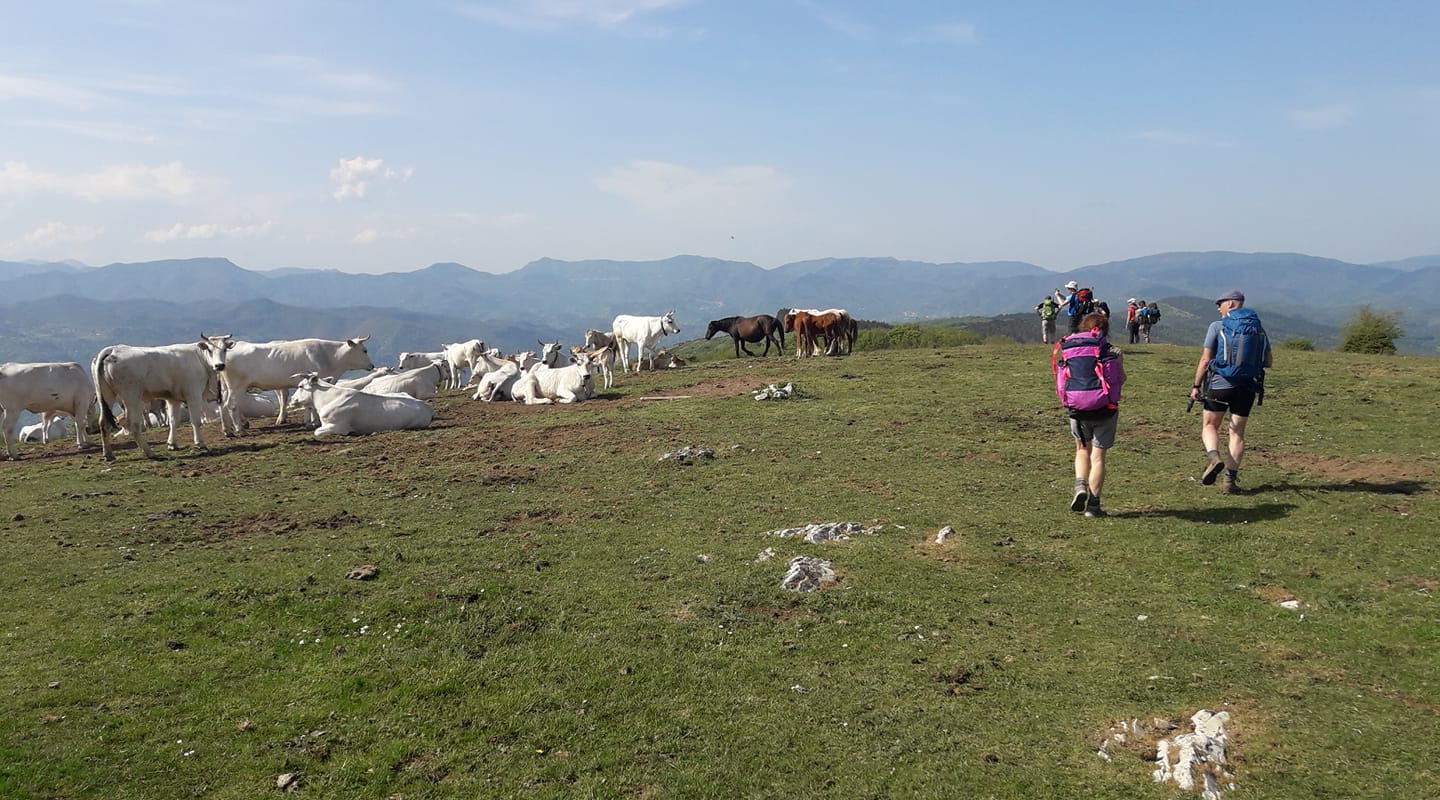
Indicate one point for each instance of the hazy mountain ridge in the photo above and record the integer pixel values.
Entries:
(61, 310)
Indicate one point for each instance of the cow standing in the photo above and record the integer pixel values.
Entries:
(176, 373)
(50, 386)
(644, 332)
(274, 365)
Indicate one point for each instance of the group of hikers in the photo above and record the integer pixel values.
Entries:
(1075, 302)
(1229, 379)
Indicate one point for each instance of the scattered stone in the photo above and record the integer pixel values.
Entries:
(944, 534)
(773, 392)
(287, 781)
(367, 572)
(1200, 754)
(18, 518)
(765, 555)
(687, 454)
(825, 531)
(808, 573)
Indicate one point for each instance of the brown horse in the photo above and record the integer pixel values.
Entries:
(752, 330)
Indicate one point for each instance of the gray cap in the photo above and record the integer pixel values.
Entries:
(1233, 294)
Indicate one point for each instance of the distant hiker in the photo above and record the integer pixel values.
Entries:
(1071, 302)
(1148, 315)
(1048, 310)
(1089, 374)
(1230, 377)
(1132, 320)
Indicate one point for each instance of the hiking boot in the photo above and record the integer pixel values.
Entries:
(1213, 468)
(1230, 485)
(1093, 509)
(1082, 496)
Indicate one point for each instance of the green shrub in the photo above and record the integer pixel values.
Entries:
(1298, 344)
(1371, 331)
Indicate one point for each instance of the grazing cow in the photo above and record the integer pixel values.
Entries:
(417, 360)
(462, 356)
(421, 383)
(644, 333)
(273, 365)
(40, 388)
(349, 411)
(176, 373)
(750, 329)
(544, 385)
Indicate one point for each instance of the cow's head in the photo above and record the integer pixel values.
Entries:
(550, 353)
(667, 322)
(353, 355)
(214, 348)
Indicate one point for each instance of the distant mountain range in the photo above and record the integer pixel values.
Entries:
(67, 311)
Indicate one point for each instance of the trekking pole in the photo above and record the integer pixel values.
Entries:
(1190, 406)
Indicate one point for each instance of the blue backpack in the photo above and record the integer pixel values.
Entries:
(1240, 353)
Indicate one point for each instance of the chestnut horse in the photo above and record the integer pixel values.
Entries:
(752, 330)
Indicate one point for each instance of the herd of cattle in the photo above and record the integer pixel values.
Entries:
(219, 377)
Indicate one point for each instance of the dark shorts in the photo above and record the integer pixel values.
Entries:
(1237, 401)
(1097, 427)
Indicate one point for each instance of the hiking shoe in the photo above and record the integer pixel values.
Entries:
(1213, 468)
(1231, 485)
(1082, 496)
(1094, 511)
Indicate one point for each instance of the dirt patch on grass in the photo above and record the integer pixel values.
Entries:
(1380, 471)
(270, 523)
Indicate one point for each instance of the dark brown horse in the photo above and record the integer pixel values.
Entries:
(752, 330)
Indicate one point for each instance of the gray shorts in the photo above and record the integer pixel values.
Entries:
(1099, 431)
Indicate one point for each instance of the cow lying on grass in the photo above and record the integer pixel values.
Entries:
(348, 411)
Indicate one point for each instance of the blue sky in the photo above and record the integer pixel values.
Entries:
(386, 136)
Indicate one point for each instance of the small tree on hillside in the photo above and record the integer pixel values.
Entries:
(1370, 331)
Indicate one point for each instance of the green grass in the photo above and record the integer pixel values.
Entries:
(558, 613)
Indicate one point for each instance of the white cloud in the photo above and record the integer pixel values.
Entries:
(115, 182)
(352, 176)
(208, 231)
(1320, 117)
(56, 233)
(104, 131)
(513, 219)
(548, 14)
(16, 87)
(373, 235)
(660, 186)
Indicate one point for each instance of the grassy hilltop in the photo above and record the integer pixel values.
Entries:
(560, 613)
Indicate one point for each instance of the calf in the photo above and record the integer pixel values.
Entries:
(348, 411)
(462, 356)
(40, 388)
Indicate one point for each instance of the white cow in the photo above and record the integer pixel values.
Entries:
(51, 426)
(273, 365)
(542, 384)
(602, 362)
(176, 373)
(421, 383)
(43, 387)
(462, 356)
(348, 411)
(644, 332)
(417, 360)
(497, 383)
(303, 400)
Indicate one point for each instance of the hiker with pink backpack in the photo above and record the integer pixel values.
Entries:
(1089, 374)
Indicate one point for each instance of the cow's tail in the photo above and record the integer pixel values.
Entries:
(99, 372)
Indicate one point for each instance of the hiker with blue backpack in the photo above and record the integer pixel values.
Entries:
(1230, 378)
(1076, 303)
(1089, 374)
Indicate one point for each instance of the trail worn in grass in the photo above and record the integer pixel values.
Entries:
(557, 612)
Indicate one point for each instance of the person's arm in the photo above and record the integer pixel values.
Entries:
(1205, 356)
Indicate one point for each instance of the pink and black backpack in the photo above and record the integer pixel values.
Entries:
(1088, 375)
